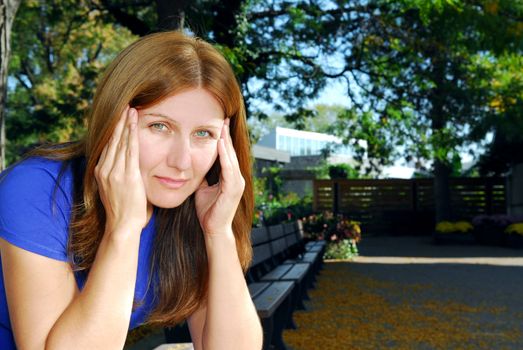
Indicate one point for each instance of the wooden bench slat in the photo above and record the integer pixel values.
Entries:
(259, 235)
(256, 288)
(315, 248)
(276, 231)
(278, 245)
(277, 273)
(297, 272)
(260, 254)
(268, 301)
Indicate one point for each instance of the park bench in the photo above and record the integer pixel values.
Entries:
(282, 269)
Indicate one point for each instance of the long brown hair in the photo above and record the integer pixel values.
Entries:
(151, 69)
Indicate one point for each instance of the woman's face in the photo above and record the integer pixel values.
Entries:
(178, 145)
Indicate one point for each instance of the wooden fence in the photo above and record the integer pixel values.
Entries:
(407, 206)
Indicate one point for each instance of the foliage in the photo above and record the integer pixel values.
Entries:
(425, 70)
(500, 156)
(424, 78)
(326, 225)
(338, 171)
(341, 233)
(499, 220)
(318, 118)
(270, 210)
(273, 182)
(342, 171)
(490, 229)
(515, 229)
(343, 249)
(454, 227)
(58, 52)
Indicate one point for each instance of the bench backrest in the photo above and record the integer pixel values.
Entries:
(260, 254)
(271, 245)
(276, 231)
(290, 233)
(259, 235)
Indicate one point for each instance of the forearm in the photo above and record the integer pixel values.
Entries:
(99, 317)
(231, 320)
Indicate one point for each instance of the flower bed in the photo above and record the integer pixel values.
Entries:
(342, 234)
(514, 236)
(490, 229)
(454, 232)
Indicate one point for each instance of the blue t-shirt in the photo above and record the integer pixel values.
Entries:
(29, 219)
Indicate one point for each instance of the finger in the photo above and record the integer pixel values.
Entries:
(230, 147)
(121, 149)
(101, 159)
(225, 163)
(115, 138)
(223, 139)
(133, 149)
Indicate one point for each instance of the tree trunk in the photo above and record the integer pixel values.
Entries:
(442, 191)
(8, 10)
(443, 210)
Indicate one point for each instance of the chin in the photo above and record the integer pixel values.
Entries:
(167, 203)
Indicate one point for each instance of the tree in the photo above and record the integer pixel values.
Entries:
(8, 10)
(58, 55)
(423, 92)
(422, 70)
(57, 59)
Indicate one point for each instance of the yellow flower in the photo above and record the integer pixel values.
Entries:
(515, 228)
(451, 227)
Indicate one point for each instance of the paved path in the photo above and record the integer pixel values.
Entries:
(406, 293)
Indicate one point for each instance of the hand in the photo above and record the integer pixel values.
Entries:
(216, 205)
(118, 176)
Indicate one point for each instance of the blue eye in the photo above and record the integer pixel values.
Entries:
(159, 126)
(203, 133)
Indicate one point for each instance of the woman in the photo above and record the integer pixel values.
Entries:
(146, 220)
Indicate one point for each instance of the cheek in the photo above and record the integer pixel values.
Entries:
(204, 159)
(148, 153)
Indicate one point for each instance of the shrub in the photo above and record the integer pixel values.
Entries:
(272, 209)
(454, 227)
(515, 229)
(341, 234)
(490, 229)
(344, 249)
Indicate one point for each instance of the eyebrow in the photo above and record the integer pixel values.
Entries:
(176, 122)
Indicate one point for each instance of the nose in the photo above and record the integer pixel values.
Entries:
(179, 155)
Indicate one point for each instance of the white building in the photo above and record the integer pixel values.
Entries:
(302, 143)
(304, 148)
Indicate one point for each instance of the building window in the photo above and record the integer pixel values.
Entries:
(295, 146)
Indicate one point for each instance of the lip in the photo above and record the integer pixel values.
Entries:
(171, 183)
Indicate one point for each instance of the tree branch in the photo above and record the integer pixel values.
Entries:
(133, 23)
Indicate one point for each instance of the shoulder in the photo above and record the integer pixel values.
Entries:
(35, 168)
(35, 206)
(34, 176)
